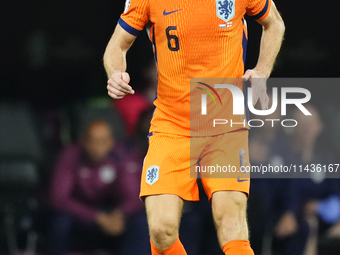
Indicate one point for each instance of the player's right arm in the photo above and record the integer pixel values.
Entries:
(115, 63)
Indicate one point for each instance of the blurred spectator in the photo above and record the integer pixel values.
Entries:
(89, 192)
(318, 197)
(134, 151)
(297, 210)
(272, 211)
(131, 106)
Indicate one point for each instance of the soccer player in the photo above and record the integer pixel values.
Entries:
(193, 38)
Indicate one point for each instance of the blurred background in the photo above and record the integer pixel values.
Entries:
(70, 157)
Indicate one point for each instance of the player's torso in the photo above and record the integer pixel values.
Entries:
(194, 38)
(198, 34)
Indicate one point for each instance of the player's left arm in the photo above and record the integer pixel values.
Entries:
(271, 40)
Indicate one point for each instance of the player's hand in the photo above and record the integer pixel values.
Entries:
(112, 223)
(118, 85)
(259, 86)
(286, 226)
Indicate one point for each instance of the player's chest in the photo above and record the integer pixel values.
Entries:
(197, 14)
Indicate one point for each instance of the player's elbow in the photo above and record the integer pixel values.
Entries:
(281, 24)
(282, 28)
(277, 26)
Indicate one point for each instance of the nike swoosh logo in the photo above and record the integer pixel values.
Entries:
(242, 180)
(168, 13)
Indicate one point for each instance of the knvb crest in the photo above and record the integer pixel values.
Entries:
(225, 9)
(127, 5)
(152, 175)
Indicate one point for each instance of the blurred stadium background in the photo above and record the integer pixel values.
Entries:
(52, 79)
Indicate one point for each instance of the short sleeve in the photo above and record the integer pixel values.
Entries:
(258, 9)
(135, 16)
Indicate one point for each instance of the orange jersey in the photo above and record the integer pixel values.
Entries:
(191, 39)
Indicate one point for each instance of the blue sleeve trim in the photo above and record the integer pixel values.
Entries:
(128, 28)
(149, 135)
(261, 13)
(154, 42)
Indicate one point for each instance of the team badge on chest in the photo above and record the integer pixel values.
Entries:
(225, 9)
(127, 5)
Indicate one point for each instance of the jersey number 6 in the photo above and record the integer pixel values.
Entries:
(172, 37)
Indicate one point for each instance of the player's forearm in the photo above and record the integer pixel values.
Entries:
(271, 41)
(114, 58)
(115, 53)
